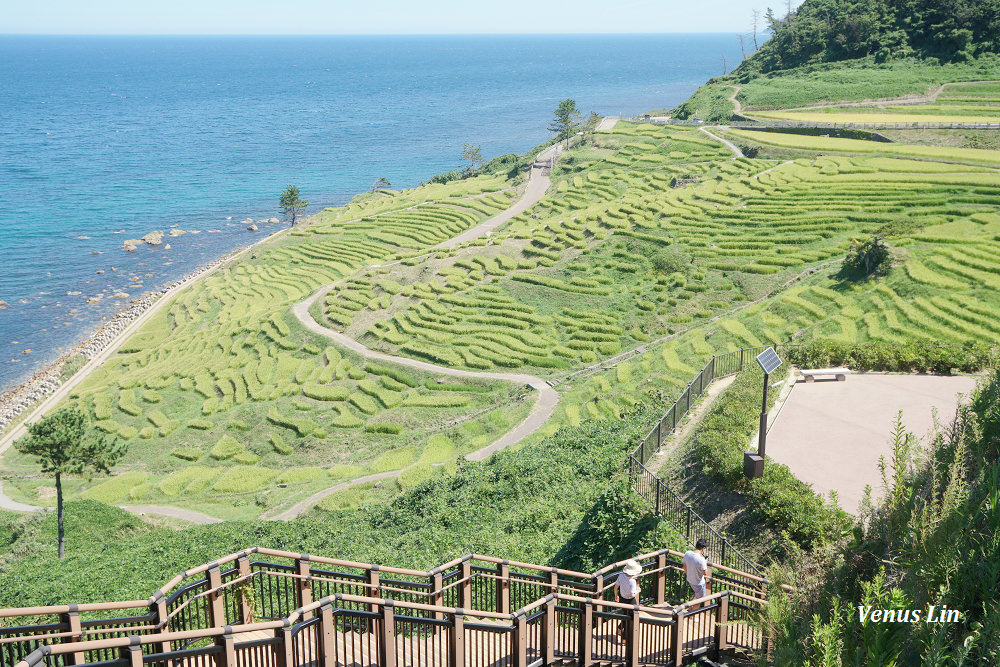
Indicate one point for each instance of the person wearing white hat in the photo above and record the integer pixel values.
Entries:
(627, 589)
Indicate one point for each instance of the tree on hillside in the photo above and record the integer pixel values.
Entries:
(62, 446)
(381, 183)
(473, 156)
(291, 203)
(567, 118)
(869, 258)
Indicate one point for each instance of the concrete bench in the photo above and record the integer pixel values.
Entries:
(839, 373)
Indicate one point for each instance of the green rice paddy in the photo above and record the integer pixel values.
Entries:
(652, 240)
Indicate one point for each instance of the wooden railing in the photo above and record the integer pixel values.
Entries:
(292, 610)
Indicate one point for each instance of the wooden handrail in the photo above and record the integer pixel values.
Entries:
(160, 638)
(70, 608)
(162, 620)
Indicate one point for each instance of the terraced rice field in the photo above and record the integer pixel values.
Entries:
(959, 103)
(653, 242)
(222, 393)
(974, 156)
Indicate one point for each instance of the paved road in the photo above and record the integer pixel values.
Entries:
(606, 123)
(14, 506)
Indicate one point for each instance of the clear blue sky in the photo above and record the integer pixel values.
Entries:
(380, 17)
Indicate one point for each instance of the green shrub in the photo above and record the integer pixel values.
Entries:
(186, 453)
(151, 396)
(200, 424)
(918, 355)
(778, 499)
(870, 258)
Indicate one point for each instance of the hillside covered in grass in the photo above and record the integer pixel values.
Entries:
(830, 51)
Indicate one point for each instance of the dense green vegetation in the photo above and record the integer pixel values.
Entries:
(836, 30)
(561, 501)
(932, 541)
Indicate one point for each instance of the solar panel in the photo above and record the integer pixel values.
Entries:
(768, 360)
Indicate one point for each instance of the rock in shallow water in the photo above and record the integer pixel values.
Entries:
(153, 238)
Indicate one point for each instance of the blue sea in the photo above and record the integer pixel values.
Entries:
(108, 138)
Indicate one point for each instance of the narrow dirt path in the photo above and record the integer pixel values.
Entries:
(548, 397)
(538, 183)
(691, 420)
(174, 512)
(737, 105)
(725, 142)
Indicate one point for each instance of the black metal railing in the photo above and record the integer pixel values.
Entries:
(656, 492)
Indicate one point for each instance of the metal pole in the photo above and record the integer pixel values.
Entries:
(762, 438)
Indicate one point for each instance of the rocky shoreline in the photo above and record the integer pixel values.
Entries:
(47, 381)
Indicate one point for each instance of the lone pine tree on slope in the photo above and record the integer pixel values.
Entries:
(291, 203)
(62, 446)
(567, 118)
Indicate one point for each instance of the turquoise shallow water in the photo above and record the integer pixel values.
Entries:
(109, 138)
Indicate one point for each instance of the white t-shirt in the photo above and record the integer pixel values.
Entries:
(627, 587)
(694, 566)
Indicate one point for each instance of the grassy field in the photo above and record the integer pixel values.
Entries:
(964, 103)
(231, 407)
(653, 241)
(830, 83)
(813, 144)
(859, 80)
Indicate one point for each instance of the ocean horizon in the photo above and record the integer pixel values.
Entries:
(106, 138)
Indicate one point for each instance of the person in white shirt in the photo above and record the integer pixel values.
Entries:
(627, 589)
(696, 569)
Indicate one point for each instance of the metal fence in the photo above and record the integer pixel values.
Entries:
(656, 492)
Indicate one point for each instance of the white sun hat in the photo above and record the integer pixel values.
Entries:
(632, 568)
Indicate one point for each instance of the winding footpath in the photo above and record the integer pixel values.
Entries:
(545, 403)
(548, 397)
(728, 144)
